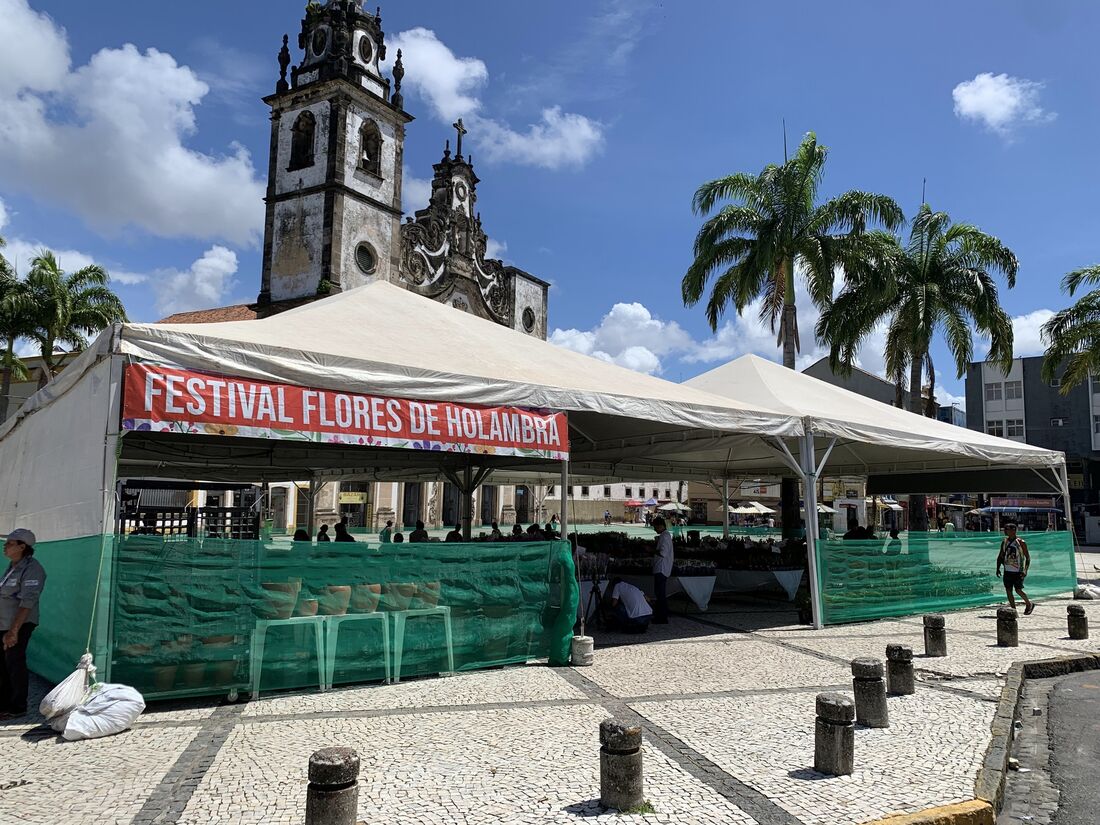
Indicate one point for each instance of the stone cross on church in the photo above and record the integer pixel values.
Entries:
(334, 200)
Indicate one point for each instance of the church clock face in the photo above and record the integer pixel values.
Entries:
(320, 41)
(366, 50)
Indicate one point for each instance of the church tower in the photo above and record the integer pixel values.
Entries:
(334, 178)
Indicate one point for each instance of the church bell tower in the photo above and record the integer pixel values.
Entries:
(334, 176)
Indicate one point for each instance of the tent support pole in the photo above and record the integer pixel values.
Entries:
(1066, 506)
(809, 481)
(564, 500)
(311, 494)
(725, 508)
(110, 534)
(467, 501)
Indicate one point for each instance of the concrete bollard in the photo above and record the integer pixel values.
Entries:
(870, 692)
(332, 797)
(834, 735)
(935, 635)
(580, 652)
(1078, 621)
(899, 671)
(1008, 629)
(620, 765)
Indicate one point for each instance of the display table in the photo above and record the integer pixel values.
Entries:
(697, 588)
(746, 581)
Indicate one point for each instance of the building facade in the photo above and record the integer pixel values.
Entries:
(334, 210)
(1021, 406)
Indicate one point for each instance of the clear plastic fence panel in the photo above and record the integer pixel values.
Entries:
(195, 616)
(929, 572)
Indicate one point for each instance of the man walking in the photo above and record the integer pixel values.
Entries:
(20, 589)
(1016, 561)
(662, 570)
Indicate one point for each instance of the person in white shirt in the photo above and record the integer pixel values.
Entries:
(630, 612)
(662, 570)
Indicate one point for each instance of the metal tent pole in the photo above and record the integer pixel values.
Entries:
(467, 501)
(725, 508)
(809, 479)
(564, 501)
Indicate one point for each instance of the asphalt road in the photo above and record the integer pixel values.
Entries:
(1074, 729)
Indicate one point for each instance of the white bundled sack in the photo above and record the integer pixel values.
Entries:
(62, 699)
(1086, 591)
(110, 709)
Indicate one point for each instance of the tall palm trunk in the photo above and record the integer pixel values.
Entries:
(5, 380)
(918, 508)
(788, 330)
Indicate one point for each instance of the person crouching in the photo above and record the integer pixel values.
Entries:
(629, 611)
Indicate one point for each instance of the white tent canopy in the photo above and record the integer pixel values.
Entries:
(377, 339)
(751, 508)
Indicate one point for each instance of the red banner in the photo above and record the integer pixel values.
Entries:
(166, 399)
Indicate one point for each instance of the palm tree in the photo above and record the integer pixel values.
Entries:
(14, 310)
(771, 226)
(1073, 335)
(69, 307)
(941, 283)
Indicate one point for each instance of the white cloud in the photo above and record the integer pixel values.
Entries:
(3, 215)
(107, 140)
(628, 335)
(1000, 102)
(947, 399)
(415, 192)
(450, 86)
(495, 248)
(556, 141)
(1026, 333)
(446, 82)
(205, 284)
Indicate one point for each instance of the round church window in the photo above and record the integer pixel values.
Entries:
(365, 259)
(529, 319)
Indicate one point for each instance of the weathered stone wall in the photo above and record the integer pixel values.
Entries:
(530, 293)
(296, 249)
(288, 181)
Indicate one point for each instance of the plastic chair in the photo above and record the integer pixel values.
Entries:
(399, 617)
(332, 636)
(259, 639)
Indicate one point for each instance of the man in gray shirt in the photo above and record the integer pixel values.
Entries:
(20, 588)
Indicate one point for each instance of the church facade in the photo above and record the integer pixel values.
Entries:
(336, 219)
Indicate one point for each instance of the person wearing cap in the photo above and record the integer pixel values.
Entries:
(20, 589)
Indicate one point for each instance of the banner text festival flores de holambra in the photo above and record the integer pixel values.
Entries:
(167, 399)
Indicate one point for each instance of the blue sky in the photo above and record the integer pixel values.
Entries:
(591, 125)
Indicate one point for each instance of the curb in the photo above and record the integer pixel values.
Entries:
(974, 812)
(990, 784)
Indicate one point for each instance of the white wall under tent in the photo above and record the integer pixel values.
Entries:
(68, 446)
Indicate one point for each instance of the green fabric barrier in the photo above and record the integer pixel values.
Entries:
(65, 608)
(184, 611)
(930, 572)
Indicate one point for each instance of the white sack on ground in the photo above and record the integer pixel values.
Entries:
(109, 710)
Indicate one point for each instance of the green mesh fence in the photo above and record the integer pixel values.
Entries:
(201, 616)
(921, 573)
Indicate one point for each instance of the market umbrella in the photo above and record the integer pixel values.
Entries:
(677, 506)
(649, 502)
(633, 503)
(752, 508)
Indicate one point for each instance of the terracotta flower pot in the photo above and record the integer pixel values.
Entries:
(194, 673)
(164, 677)
(279, 600)
(221, 673)
(334, 600)
(428, 594)
(398, 596)
(365, 598)
(307, 607)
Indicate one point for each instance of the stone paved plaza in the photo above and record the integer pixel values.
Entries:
(726, 699)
